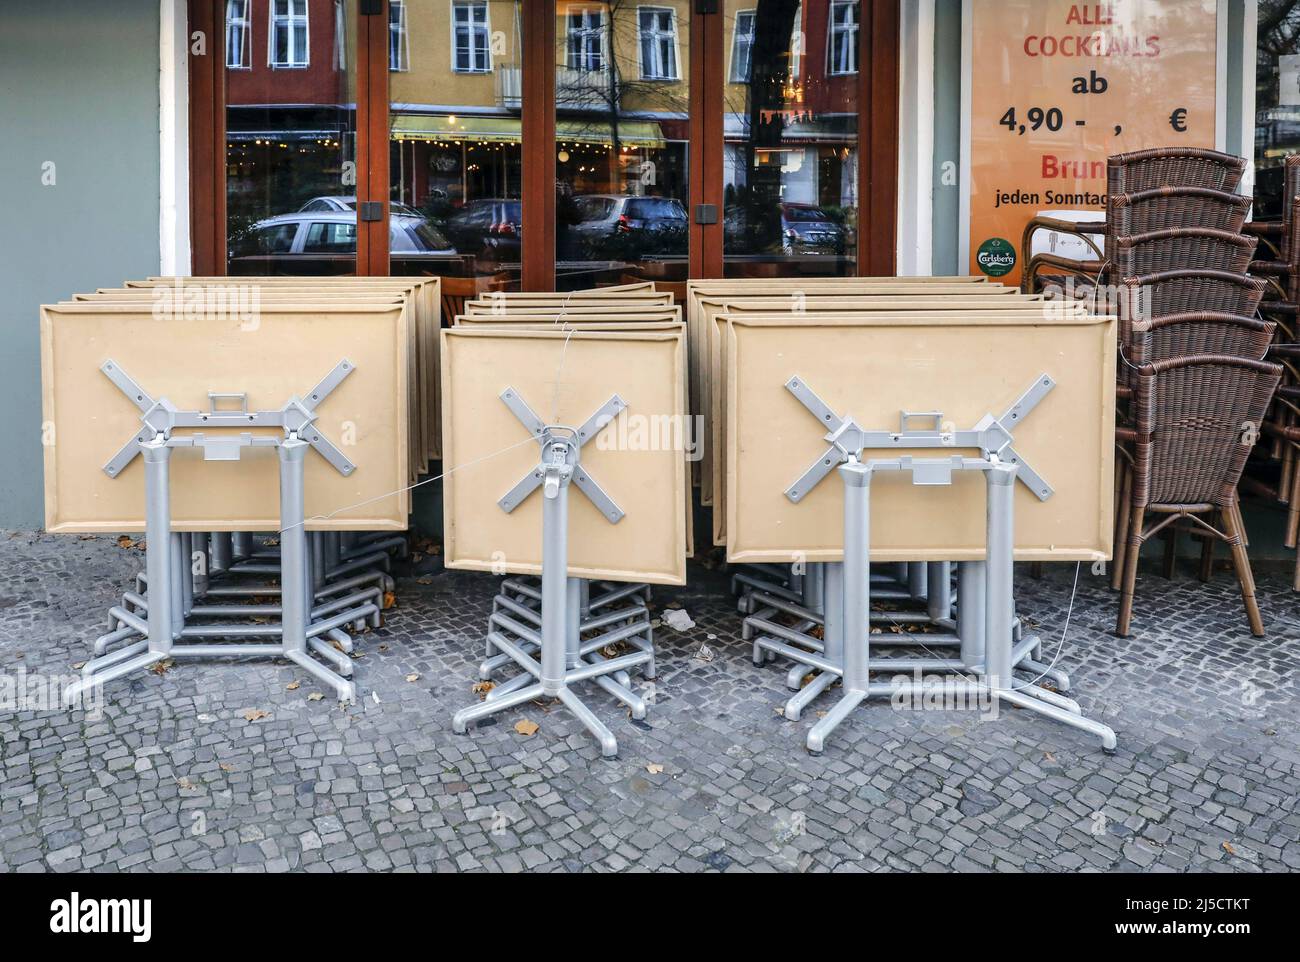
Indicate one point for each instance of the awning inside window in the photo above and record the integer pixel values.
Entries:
(446, 128)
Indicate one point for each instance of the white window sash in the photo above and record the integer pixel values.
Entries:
(662, 43)
(294, 17)
(842, 38)
(472, 19)
(402, 49)
(240, 25)
(742, 46)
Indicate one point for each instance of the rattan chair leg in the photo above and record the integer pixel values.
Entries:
(1130, 572)
(1292, 534)
(1207, 558)
(1241, 562)
(1123, 514)
(1241, 522)
(1169, 565)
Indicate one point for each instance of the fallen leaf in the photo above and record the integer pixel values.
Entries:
(125, 542)
(315, 696)
(481, 688)
(184, 784)
(390, 599)
(78, 666)
(654, 769)
(383, 647)
(255, 714)
(1048, 756)
(780, 710)
(413, 676)
(426, 580)
(227, 767)
(1227, 847)
(526, 727)
(292, 686)
(162, 667)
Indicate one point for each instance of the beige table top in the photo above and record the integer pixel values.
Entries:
(286, 353)
(874, 366)
(565, 377)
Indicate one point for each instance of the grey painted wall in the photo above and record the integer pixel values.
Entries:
(79, 88)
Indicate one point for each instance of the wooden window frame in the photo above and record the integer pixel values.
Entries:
(709, 59)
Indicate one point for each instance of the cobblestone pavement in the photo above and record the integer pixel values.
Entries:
(173, 776)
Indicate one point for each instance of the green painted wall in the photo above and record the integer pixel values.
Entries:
(78, 89)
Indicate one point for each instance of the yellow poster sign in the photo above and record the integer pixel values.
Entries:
(1055, 89)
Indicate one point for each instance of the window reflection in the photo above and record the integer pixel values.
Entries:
(621, 101)
(290, 137)
(1277, 101)
(455, 87)
(791, 135)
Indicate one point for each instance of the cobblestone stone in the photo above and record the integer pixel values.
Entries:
(173, 777)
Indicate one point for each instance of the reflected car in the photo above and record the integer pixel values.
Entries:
(348, 202)
(488, 228)
(804, 229)
(621, 225)
(320, 243)
(807, 229)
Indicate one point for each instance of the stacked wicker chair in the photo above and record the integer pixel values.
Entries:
(1279, 264)
(1167, 209)
(1188, 450)
(1192, 379)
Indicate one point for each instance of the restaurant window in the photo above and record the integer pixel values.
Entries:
(470, 37)
(288, 36)
(843, 37)
(658, 36)
(398, 50)
(790, 133)
(454, 167)
(621, 117)
(1277, 102)
(290, 148)
(586, 39)
(238, 29)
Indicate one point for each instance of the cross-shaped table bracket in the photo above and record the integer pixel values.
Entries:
(991, 436)
(561, 452)
(554, 659)
(297, 418)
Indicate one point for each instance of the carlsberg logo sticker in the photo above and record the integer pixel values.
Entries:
(996, 257)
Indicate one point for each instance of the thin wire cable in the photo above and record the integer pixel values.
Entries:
(411, 487)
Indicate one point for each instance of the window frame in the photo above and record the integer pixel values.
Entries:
(403, 36)
(752, 14)
(671, 36)
(472, 28)
(833, 29)
(290, 18)
(878, 52)
(585, 10)
(245, 35)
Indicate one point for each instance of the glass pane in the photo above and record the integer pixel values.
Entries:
(454, 142)
(621, 100)
(1277, 102)
(790, 118)
(290, 136)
